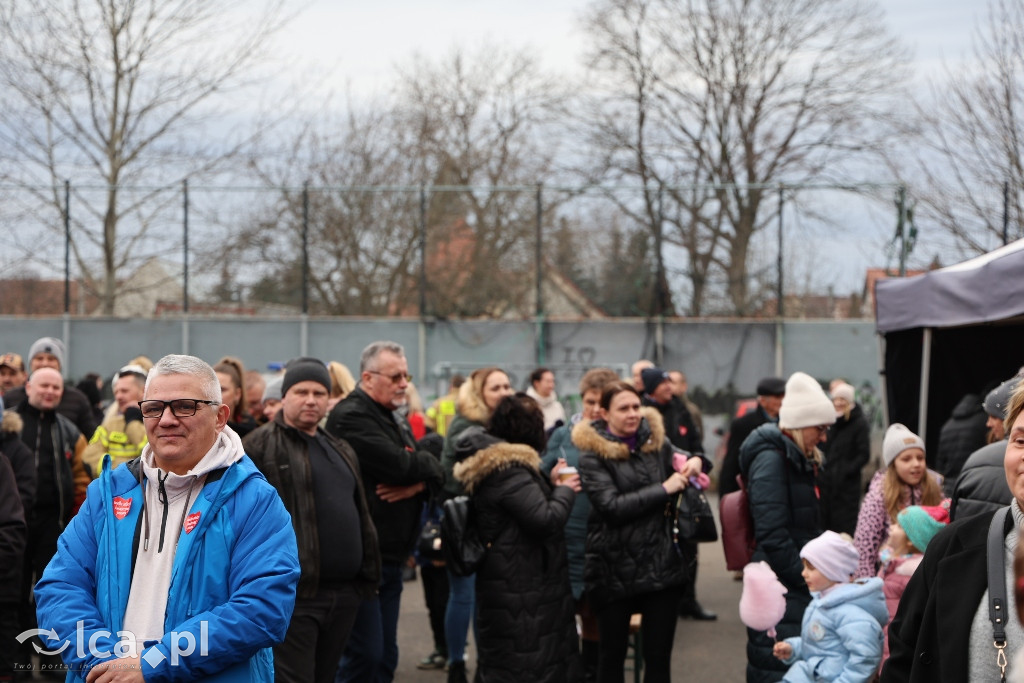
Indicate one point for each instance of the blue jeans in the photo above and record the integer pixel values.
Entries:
(372, 652)
(459, 614)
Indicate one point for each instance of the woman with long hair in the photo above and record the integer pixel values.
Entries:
(525, 610)
(478, 397)
(231, 373)
(633, 563)
(906, 480)
(342, 383)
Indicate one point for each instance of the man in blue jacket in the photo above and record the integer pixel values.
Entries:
(181, 565)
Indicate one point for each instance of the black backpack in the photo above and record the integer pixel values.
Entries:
(463, 548)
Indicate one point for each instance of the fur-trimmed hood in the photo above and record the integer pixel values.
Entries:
(11, 423)
(593, 437)
(502, 455)
(470, 404)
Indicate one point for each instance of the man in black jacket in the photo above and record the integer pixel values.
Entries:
(981, 486)
(770, 391)
(963, 433)
(680, 428)
(56, 448)
(317, 477)
(683, 434)
(48, 352)
(397, 479)
(12, 550)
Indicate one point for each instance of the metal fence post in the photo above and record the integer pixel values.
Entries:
(539, 258)
(67, 248)
(423, 252)
(304, 318)
(184, 289)
(780, 263)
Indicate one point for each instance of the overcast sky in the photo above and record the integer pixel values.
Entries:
(359, 45)
(361, 42)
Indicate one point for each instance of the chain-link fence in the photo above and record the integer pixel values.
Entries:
(519, 252)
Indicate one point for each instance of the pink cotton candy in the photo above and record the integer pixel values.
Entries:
(762, 604)
(679, 461)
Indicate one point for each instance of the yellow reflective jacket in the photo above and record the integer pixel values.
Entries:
(123, 442)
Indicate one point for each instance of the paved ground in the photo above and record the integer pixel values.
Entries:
(704, 651)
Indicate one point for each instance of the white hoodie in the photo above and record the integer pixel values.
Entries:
(151, 581)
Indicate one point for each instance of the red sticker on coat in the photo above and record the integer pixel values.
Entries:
(682, 430)
(191, 521)
(121, 507)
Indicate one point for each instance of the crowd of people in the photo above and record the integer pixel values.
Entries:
(244, 526)
(873, 603)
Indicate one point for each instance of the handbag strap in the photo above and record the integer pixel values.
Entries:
(997, 587)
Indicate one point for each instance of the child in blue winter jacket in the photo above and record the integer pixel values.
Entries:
(841, 636)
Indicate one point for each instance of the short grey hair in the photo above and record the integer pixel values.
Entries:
(373, 351)
(176, 364)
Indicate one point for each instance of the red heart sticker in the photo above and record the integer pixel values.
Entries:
(191, 521)
(121, 507)
(683, 430)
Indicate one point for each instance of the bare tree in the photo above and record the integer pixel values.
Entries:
(109, 92)
(362, 213)
(467, 133)
(709, 104)
(971, 139)
(480, 119)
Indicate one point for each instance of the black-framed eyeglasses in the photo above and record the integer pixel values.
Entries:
(395, 378)
(180, 407)
(822, 429)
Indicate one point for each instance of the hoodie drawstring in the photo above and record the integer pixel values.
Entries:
(162, 495)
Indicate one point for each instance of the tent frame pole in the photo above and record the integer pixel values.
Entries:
(926, 364)
(883, 381)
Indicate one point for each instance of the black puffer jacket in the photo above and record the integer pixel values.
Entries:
(963, 433)
(21, 459)
(13, 535)
(630, 549)
(847, 451)
(982, 485)
(739, 430)
(525, 609)
(680, 428)
(783, 504)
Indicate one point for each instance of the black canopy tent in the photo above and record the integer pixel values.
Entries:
(947, 333)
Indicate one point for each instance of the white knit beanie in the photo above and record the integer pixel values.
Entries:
(898, 439)
(845, 391)
(805, 404)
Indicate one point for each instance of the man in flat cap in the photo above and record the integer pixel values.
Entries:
(770, 391)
